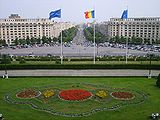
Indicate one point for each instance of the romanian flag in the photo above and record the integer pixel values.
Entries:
(89, 14)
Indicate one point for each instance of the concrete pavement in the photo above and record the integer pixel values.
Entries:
(91, 72)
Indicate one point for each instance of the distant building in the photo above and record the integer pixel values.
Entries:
(17, 27)
(145, 28)
(103, 28)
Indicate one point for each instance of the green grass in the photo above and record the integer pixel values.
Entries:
(131, 112)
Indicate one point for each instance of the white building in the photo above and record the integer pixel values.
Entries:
(16, 27)
(145, 28)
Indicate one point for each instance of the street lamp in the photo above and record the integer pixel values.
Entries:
(150, 63)
(5, 60)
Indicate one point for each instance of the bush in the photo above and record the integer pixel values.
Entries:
(22, 61)
(58, 61)
(158, 81)
(6, 59)
(78, 66)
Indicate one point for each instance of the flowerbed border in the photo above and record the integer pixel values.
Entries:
(39, 93)
(9, 99)
(122, 98)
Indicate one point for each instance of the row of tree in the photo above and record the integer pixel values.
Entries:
(68, 34)
(133, 40)
(32, 41)
(100, 37)
(89, 33)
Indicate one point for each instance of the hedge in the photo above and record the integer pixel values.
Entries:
(79, 66)
(89, 59)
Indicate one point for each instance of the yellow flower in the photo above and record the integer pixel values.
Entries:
(48, 93)
(101, 94)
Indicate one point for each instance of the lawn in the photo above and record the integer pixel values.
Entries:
(128, 112)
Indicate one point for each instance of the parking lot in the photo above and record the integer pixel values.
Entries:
(78, 50)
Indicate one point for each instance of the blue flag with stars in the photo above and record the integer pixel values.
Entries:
(124, 14)
(56, 13)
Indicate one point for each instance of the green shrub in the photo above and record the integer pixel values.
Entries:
(22, 61)
(57, 61)
(158, 81)
(78, 66)
(6, 59)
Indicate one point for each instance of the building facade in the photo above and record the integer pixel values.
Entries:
(103, 28)
(145, 28)
(16, 27)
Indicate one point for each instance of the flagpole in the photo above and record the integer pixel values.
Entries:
(127, 41)
(53, 14)
(94, 36)
(126, 50)
(61, 44)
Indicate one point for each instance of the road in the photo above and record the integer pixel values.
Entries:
(79, 39)
(117, 72)
(74, 50)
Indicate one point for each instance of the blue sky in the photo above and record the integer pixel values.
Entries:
(73, 10)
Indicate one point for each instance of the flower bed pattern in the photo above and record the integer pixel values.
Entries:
(122, 95)
(74, 95)
(54, 104)
(28, 94)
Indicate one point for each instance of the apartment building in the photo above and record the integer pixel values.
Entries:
(145, 28)
(17, 27)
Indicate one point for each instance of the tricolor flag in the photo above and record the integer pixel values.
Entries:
(56, 13)
(124, 14)
(89, 14)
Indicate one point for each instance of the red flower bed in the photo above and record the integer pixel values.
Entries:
(74, 95)
(122, 95)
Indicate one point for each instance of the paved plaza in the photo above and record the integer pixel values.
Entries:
(117, 72)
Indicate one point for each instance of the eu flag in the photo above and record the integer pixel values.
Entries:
(124, 14)
(56, 13)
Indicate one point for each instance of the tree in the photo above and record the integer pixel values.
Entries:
(33, 41)
(55, 39)
(22, 41)
(6, 59)
(28, 41)
(157, 41)
(3, 43)
(16, 41)
(44, 39)
(123, 40)
(136, 40)
(49, 40)
(68, 34)
(99, 37)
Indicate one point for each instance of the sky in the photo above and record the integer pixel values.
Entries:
(73, 10)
